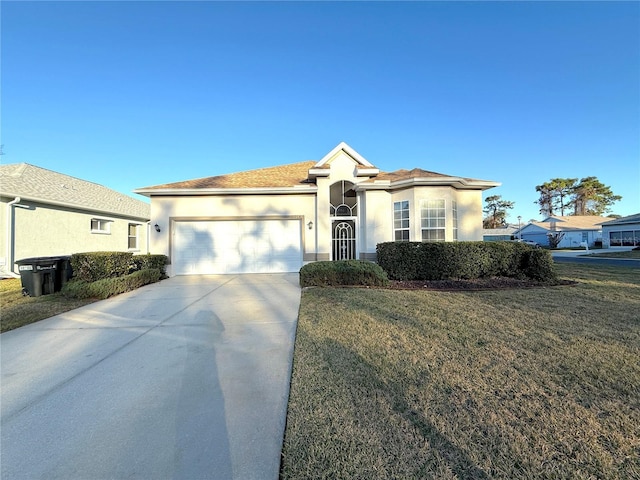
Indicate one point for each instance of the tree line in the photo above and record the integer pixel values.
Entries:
(560, 197)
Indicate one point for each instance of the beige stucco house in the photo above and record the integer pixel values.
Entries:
(45, 213)
(276, 219)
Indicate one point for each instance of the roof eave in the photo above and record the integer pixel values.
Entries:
(318, 172)
(149, 192)
(77, 207)
(457, 182)
(367, 172)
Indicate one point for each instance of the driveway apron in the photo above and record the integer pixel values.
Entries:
(184, 379)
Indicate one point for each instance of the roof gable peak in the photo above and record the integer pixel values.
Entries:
(363, 168)
(343, 147)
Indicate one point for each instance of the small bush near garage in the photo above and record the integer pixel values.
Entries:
(107, 287)
(93, 266)
(144, 262)
(344, 272)
(464, 260)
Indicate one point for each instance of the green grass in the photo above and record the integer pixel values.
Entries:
(513, 384)
(17, 310)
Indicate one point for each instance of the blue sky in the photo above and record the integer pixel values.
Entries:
(133, 94)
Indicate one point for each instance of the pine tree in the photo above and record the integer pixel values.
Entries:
(496, 211)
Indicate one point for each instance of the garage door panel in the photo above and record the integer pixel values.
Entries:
(245, 246)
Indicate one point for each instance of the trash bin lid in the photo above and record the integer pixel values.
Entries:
(41, 261)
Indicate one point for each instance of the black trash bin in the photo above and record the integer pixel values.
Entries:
(64, 272)
(43, 275)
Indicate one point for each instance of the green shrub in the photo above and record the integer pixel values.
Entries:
(538, 265)
(463, 260)
(504, 259)
(401, 260)
(92, 266)
(343, 272)
(107, 287)
(143, 262)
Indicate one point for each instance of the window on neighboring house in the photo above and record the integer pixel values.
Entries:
(454, 213)
(99, 225)
(133, 236)
(401, 221)
(432, 220)
(615, 239)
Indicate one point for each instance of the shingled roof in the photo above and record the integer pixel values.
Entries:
(295, 174)
(403, 174)
(271, 177)
(46, 186)
(635, 218)
(572, 222)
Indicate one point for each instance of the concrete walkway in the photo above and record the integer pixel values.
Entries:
(184, 379)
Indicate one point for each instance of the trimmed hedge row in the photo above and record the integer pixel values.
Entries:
(343, 272)
(464, 260)
(94, 266)
(107, 287)
(144, 262)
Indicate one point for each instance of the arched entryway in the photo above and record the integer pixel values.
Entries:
(344, 217)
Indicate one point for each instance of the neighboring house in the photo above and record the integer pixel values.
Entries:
(276, 219)
(622, 232)
(45, 213)
(499, 234)
(577, 230)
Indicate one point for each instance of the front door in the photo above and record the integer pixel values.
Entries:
(343, 244)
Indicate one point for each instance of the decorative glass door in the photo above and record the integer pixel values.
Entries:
(344, 239)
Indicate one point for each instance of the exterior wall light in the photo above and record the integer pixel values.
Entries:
(310, 225)
(157, 227)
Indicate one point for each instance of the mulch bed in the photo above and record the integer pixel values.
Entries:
(493, 283)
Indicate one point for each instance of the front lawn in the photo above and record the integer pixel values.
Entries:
(17, 310)
(510, 384)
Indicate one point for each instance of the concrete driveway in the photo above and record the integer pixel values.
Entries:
(184, 379)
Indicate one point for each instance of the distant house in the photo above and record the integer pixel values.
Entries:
(577, 230)
(45, 213)
(622, 232)
(276, 219)
(499, 234)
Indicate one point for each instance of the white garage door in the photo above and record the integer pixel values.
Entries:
(230, 246)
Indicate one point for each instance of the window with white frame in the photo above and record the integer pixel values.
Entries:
(133, 236)
(100, 225)
(454, 214)
(401, 221)
(432, 220)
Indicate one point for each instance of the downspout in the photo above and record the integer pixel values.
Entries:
(10, 235)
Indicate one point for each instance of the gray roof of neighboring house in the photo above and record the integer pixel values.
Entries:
(508, 230)
(635, 218)
(571, 222)
(42, 185)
